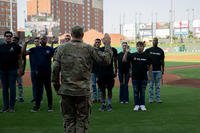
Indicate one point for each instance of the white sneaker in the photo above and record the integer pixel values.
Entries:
(136, 108)
(143, 108)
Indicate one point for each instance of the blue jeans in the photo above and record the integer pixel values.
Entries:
(95, 91)
(123, 93)
(20, 86)
(8, 81)
(156, 79)
(139, 87)
(33, 80)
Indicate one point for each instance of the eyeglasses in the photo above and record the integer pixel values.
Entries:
(8, 35)
(97, 42)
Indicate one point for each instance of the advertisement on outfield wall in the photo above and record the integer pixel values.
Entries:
(182, 31)
(145, 33)
(196, 27)
(181, 24)
(128, 30)
(162, 25)
(162, 33)
(197, 31)
(196, 24)
(145, 26)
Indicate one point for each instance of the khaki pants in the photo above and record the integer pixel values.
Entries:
(75, 110)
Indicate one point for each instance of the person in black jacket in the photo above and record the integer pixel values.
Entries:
(157, 56)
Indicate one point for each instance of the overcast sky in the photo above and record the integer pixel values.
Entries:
(113, 9)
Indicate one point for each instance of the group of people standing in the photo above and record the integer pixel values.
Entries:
(141, 67)
(76, 67)
(12, 68)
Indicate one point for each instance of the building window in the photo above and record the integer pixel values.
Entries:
(2, 3)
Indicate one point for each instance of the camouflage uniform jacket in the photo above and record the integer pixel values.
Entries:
(73, 63)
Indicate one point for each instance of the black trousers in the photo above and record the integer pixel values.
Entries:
(43, 79)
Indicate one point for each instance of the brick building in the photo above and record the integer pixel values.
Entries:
(38, 7)
(88, 13)
(5, 23)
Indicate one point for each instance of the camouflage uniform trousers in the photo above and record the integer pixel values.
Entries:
(75, 110)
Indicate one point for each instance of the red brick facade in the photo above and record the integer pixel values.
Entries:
(5, 16)
(89, 14)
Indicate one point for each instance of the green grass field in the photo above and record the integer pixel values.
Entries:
(179, 113)
(167, 64)
(176, 63)
(187, 73)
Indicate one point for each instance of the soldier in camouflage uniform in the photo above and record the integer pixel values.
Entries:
(74, 62)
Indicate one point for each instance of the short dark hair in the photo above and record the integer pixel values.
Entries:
(36, 38)
(125, 43)
(97, 39)
(8, 32)
(155, 38)
(140, 43)
(77, 31)
(43, 36)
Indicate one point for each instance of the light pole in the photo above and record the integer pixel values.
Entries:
(193, 14)
(11, 25)
(171, 22)
(156, 23)
(152, 31)
(136, 27)
(139, 18)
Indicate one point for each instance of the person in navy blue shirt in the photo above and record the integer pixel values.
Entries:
(140, 63)
(33, 60)
(10, 67)
(42, 55)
